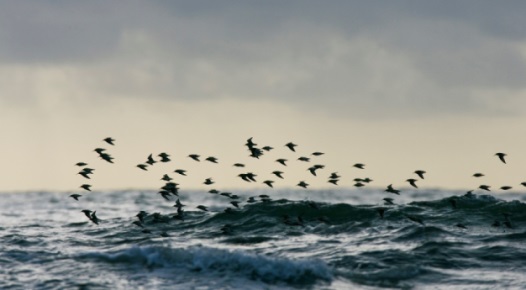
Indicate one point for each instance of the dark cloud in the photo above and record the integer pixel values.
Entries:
(361, 58)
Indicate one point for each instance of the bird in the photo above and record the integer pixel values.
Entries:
(109, 140)
(166, 178)
(211, 159)
(333, 181)
(75, 196)
(412, 181)
(523, 183)
(268, 182)
(359, 184)
(359, 165)
(239, 165)
(501, 157)
(388, 201)
(165, 194)
(106, 157)
(94, 218)
(334, 175)
(317, 153)
(84, 174)
(392, 190)
(86, 187)
(312, 170)
(208, 181)
(506, 187)
(420, 173)
(267, 148)
(150, 160)
(142, 166)
(279, 174)
(180, 171)
(80, 164)
(291, 146)
(478, 174)
(303, 184)
(202, 207)
(87, 212)
(213, 191)
(164, 157)
(282, 161)
(99, 150)
(485, 187)
(194, 157)
(304, 159)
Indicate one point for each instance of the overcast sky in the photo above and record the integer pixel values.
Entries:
(397, 85)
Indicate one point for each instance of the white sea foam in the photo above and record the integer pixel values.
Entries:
(253, 266)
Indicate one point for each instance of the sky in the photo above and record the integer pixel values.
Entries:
(397, 85)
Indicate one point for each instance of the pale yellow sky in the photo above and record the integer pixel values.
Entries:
(397, 89)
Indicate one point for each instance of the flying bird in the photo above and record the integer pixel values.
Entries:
(75, 196)
(267, 148)
(164, 157)
(303, 184)
(291, 146)
(333, 181)
(388, 201)
(392, 190)
(484, 187)
(150, 160)
(208, 181)
(166, 178)
(282, 161)
(142, 166)
(180, 171)
(506, 187)
(268, 182)
(317, 153)
(412, 181)
(86, 187)
(239, 165)
(80, 164)
(211, 159)
(359, 165)
(420, 173)
(478, 174)
(304, 159)
(279, 174)
(109, 140)
(195, 157)
(501, 156)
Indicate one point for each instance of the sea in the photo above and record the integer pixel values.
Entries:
(292, 239)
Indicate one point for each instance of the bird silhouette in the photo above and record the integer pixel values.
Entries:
(268, 182)
(478, 174)
(180, 171)
(194, 157)
(359, 165)
(208, 181)
(282, 161)
(75, 196)
(150, 160)
(303, 184)
(211, 159)
(484, 187)
(280, 174)
(86, 187)
(142, 166)
(109, 140)
(412, 181)
(81, 164)
(501, 157)
(392, 190)
(291, 146)
(420, 173)
(317, 153)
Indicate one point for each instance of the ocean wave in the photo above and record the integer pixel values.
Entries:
(212, 260)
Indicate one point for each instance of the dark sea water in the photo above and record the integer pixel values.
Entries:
(332, 239)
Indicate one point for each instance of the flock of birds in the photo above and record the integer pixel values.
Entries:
(171, 189)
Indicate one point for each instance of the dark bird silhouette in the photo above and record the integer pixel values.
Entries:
(208, 181)
(213, 191)
(202, 207)
(84, 174)
(268, 182)
(255, 152)
(87, 212)
(106, 157)
(251, 176)
(211, 159)
(501, 157)
(334, 175)
(291, 146)
(523, 183)
(75, 196)
(303, 184)
(86, 187)
(164, 157)
(282, 161)
(317, 153)
(267, 148)
(239, 165)
(279, 174)
(99, 150)
(244, 176)
(506, 187)
(333, 181)
(94, 218)
(150, 160)
(478, 174)
(166, 178)
(312, 170)
(359, 165)
(359, 184)
(304, 159)
(194, 157)
(180, 171)
(80, 164)
(165, 194)
(388, 201)
(142, 166)
(109, 140)
(250, 143)
(392, 190)
(367, 180)
(420, 173)
(412, 181)
(484, 187)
